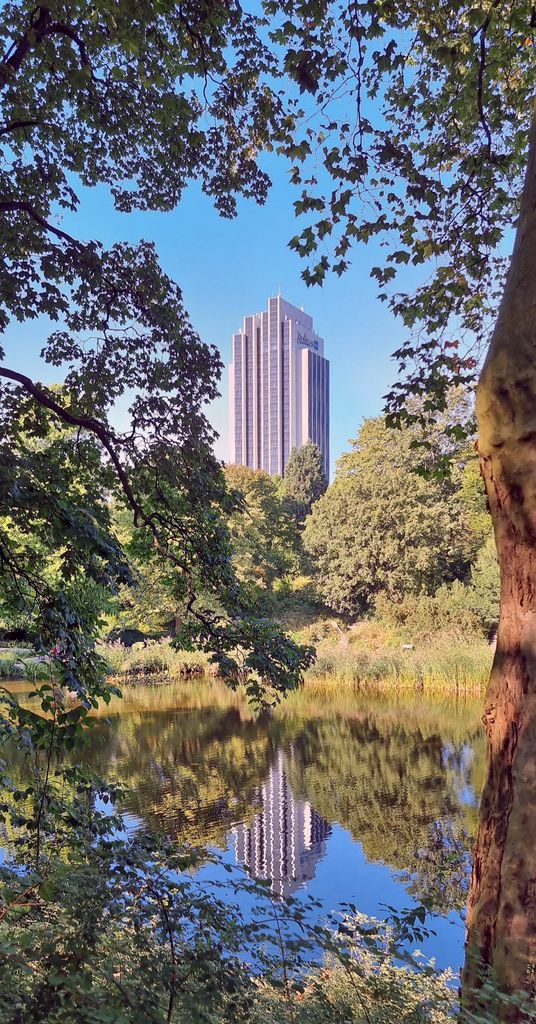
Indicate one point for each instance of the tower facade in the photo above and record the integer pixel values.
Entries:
(278, 388)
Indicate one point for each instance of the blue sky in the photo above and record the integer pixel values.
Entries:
(227, 269)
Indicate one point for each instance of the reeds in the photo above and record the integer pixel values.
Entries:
(153, 660)
(441, 664)
(18, 664)
(434, 668)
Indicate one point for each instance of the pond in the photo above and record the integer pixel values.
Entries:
(342, 797)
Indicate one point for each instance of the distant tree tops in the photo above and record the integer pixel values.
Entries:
(382, 528)
(382, 538)
(305, 481)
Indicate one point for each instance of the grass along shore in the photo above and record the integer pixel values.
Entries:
(441, 668)
(23, 663)
(364, 656)
(367, 655)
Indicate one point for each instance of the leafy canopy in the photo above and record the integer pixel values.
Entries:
(141, 100)
(381, 528)
(418, 138)
(263, 533)
(416, 135)
(305, 479)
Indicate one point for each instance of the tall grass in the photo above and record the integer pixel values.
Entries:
(22, 666)
(435, 668)
(366, 656)
(154, 659)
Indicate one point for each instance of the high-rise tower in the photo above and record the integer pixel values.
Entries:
(279, 388)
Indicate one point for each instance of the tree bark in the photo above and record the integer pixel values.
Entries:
(501, 927)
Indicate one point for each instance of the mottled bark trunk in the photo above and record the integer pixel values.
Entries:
(502, 904)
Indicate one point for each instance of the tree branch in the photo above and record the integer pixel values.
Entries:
(17, 569)
(13, 125)
(481, 31)
(18, 899)
(480, 89)
(59, 28)
(106, 437)
(34, 35)
(359, 34)
(39, 29)
(95, 426)
(10, 205)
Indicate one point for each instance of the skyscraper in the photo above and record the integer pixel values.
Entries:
(279, 388)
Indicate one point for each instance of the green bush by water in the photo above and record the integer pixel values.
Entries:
(124, 933)
(23, 665)
(154, 658)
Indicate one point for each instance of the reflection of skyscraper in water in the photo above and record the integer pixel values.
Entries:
(286, 838)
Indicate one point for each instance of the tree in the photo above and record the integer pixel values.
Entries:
(426, 143)
(263, 534)
(114, 95)
(305, 480)
(434, 152)
(381, 528)
(141, 101)
(485, 586)
(149, 604)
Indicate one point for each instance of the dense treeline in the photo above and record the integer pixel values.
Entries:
(385, 537)
(383, 540)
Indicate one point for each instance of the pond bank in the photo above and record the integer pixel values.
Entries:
(23, 663)
(440, 666)
(444, 665)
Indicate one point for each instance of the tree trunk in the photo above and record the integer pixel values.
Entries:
(501, 927)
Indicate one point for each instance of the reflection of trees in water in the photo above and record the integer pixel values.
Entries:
(191, 773)
(441, 874)
(403, 792)
(392, 790)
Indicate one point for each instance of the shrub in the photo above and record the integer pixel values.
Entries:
(485, 586)
(115, 655)
(421, 617)
(152, 659)
(126, 933)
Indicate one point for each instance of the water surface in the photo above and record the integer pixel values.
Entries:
(340, 796)
(345, 798)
